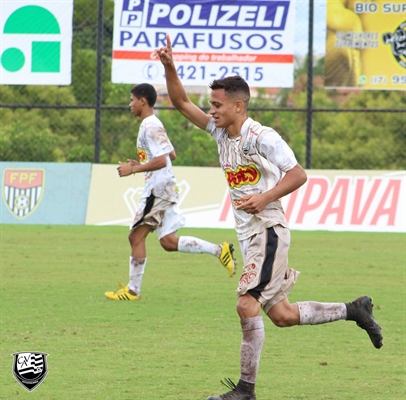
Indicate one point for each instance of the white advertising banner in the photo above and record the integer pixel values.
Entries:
(210, 40)
(36, 42)
(365, 201)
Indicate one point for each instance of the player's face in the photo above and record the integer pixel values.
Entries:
(135, 106)
(222, 108)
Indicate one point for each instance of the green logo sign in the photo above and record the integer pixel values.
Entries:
(45, 54)
(362, 80)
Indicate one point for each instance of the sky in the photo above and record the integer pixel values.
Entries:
(319, 27)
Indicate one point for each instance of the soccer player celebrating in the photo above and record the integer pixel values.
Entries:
(157, 209)
(260, 168)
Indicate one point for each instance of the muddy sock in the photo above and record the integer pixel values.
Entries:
(314, 313)
(189, 244)
(253, 336)
(137, 268)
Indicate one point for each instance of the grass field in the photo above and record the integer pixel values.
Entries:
(184, 335)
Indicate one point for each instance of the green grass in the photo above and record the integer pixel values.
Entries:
(184, 335)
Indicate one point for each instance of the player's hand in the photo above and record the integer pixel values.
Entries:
(124, 169)
(133, 163)
(252, 204)
(165, 53)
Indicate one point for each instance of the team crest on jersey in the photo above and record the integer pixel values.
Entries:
(142, 156)
(397, 41)
(247, 144)
(23, 190)
(30, 369)
(242, 175)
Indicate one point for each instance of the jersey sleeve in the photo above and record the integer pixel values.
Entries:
(158, 141)
(276, 150)
(212, 130)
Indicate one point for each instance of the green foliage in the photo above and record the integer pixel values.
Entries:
(361, 140)
(21, 142)
(84, 76)
(119, 94)
(45, 134)
(193, 146)
(119, 136)
(85, 15)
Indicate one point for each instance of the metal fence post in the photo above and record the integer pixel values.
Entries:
(99, 82)
(309, 106)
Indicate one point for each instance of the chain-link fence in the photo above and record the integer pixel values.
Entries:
(89, 121)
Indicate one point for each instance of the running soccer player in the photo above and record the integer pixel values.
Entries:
(157, 209)
(260, 168)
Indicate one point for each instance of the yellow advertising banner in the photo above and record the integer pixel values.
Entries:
(366, 44)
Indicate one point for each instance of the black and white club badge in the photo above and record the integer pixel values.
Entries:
(30, 368)
(397, 40)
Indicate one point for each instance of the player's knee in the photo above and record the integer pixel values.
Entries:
(280, 321)
(240, 309)
(168, 244)
(131, 238)
(247, 307)
(283, 319)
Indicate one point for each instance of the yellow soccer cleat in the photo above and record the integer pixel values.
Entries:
(227, 258)
(122, 294)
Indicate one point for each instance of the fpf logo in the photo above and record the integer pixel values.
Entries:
(23, 190)
(35, 42)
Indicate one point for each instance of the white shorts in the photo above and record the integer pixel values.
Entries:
(159, 214)
(266, 275)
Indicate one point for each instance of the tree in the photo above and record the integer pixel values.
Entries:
(193, 146)
(361, 140)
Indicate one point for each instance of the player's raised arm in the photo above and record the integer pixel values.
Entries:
(176, 90)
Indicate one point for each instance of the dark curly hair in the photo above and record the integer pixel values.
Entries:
(146, 91)
(234, 86)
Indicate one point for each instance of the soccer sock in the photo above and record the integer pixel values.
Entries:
(137, 268)
(253, 336)
(190, 244)
(314, 313)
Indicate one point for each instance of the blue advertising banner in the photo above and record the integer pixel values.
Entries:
(44, 193)
(210, 40)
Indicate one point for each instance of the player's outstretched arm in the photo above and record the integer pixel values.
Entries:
(176, 90)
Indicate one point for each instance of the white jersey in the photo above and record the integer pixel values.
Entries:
(253, 163)
(153, 142)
